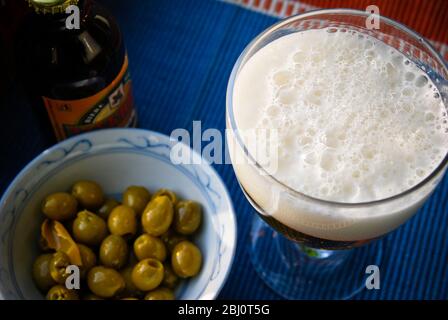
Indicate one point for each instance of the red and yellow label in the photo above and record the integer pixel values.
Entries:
(111, 107)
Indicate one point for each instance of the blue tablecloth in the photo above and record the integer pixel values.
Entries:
(181, 55)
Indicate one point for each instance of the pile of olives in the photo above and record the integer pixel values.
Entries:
(137, 249)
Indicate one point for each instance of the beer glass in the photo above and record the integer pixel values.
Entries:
(321, 249)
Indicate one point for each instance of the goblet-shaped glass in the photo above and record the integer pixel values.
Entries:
(300, 245)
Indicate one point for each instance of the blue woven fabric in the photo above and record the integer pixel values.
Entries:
(181, 55)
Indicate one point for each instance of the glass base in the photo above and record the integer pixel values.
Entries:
(297, 272)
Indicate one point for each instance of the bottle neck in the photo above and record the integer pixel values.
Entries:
(57, 21)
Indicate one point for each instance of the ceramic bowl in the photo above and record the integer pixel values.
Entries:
(115, 158)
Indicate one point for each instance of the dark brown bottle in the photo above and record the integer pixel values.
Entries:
(76, 73)
(11, 15)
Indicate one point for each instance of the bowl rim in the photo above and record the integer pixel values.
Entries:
(227, 198)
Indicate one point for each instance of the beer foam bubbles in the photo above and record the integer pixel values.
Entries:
(356, 120)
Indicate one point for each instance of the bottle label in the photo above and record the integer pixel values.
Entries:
(111, 107)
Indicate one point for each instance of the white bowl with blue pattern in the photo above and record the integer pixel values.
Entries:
(115, 158)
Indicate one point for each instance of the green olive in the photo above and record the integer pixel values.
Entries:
(60, 206)
(170, 279)
(122, 221)
(60, 292)
(137, 198)
(57, 265)
(186, 259)
(147, 274)
(107, 208)
(91, 296)
(171, 239)
(89, 194)
(157, 216)
(130, 288)
(88, 259)
(188, 217)
(114, 252)
(41, 272)
(160, 294)
(147, 246)
(89, 229)
(105, 282)
(165, 192)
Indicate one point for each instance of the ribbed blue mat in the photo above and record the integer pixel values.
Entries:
(181, 55)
